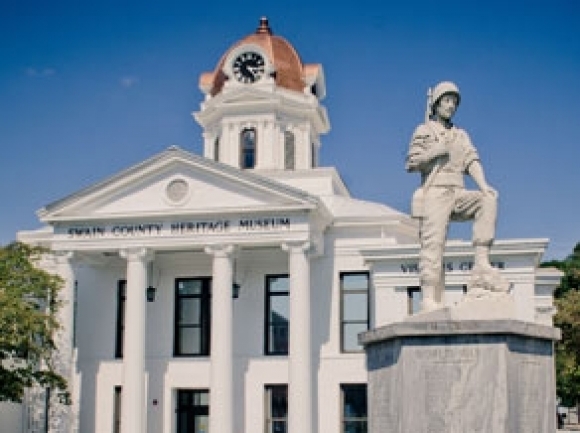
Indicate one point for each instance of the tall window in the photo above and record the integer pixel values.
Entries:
(277, 315)
(313, 156)
(192, 316)
(216, 149)
(276, 408)
(354, 290)
(192, 411)
(248, 148)
(289, 151)
(354, 408)
(117, 410)
(414, 299)
(120, 332)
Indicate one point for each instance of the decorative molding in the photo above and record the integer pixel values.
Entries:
(137, 254)
(221, 250)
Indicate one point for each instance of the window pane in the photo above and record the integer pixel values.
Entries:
(350, 335)
(190, 340)
(216, 149)
(279, 402)
(202, 424)
(415, 299)
(355, 306)
(277, 408)
(278, 339)
(190, 287)
(278, 324)
(278, 284)
(355, 402)
(189, 311)
(201, 398)
(279, 427)
(355, 427)
(279, 310)
(182, 419)
(248, 148)
(354, 411)
(355, 282)
(289, 150)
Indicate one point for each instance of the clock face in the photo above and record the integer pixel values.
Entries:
(248, 67)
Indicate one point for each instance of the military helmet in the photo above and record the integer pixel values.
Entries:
(443, 88)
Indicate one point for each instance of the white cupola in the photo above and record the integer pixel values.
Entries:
(262, 106)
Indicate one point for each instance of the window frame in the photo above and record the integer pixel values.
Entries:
(411, 290)
(194, 407)
(120, 322)
(216, 149)
(344, 322)
(246, 149)
(344, 388)
(204, 319)
(267, 306)
(268, 418)
(289, 150)
(117, 408)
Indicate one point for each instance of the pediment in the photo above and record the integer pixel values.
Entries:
(176, 182)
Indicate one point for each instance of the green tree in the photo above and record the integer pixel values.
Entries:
(568, 349)
(28, 323)
(571, 268)
(567, 318)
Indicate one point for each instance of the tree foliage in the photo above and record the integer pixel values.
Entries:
(567, 319)
(571, 268)
(28, 323)
(568, 349)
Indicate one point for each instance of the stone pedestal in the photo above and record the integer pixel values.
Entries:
(436, 374)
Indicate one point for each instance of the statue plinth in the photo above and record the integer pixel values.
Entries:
(439, 372)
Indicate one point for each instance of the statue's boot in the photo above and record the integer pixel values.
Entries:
(486, 277)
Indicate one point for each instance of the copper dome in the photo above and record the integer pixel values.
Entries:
(287, 64)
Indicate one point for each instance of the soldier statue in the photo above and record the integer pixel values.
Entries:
(443, 153)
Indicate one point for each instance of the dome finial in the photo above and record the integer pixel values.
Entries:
(264, 27)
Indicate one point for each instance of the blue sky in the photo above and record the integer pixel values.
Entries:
(90, 88)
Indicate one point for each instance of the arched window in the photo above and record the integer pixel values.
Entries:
(248, 148)
(216, 149)
(289, 151)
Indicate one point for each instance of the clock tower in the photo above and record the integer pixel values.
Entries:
(262, 107)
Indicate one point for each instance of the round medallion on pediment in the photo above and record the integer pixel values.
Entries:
(177, 191)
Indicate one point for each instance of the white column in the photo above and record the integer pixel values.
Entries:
(61, 416)
(300, 354)
(221, 403)
(133, 413)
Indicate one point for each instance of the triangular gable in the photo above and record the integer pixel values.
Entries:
(176, 182)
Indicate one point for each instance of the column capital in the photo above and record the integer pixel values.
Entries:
(62, 257)
(297, 246)
(219, 250)
(137, 254)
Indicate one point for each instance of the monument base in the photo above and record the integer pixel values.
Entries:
(436, 374)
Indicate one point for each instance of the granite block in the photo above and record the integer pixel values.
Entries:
(461, 377)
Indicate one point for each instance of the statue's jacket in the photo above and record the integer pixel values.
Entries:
(442, 155)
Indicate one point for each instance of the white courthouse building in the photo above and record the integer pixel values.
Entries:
(156, 340)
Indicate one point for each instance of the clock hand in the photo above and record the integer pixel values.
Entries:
(254, 70)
